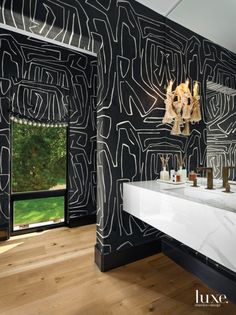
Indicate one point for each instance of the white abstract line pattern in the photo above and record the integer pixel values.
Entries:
(139, 51)
(46, 83)
(221, 130)
(4, 158)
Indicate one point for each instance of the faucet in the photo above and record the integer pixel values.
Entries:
(209, 171)
(225, 174)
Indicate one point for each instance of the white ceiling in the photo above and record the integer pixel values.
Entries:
(213, 19)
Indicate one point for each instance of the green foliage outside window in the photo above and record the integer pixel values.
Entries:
(38, 210)
(38, 157)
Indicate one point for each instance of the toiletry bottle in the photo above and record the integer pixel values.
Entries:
(192, 176)
(172, 175)
(177, 178)
(183, 174)
(164, 175)
(181, 170)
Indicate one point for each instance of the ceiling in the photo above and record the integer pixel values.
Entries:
(213, 19)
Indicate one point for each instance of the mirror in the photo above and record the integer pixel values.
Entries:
(221, 127)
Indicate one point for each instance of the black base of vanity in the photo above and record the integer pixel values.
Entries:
(119, 258)
(82, 220)
(219, 279)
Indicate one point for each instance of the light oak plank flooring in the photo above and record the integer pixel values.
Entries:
(53, 272)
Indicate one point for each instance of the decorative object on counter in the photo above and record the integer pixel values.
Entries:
(164, 174)
(225, 174)
(227, 188)
(181, 170)
(209, 171)
(184, 110)
(195, 183)
(177, 178)
(172, 175)
(192, 176)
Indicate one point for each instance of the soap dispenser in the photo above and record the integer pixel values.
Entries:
(164, 174)
(181, 170)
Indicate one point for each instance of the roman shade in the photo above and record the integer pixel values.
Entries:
(39, 102)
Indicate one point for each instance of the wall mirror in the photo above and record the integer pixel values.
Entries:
(220, 128)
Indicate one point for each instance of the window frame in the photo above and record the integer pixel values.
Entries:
(17, 196)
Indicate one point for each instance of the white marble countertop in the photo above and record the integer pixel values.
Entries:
(204, 220)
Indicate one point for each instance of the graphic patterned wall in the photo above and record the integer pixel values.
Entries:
(45, 83)
(4, 159)
(138, 52)
(82, 136)
(221, 132)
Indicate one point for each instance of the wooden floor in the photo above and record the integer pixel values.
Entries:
(53, 273)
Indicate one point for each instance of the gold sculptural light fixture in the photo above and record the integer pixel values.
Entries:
(182, 107)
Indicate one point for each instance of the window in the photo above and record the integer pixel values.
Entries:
(38, 170)
(34, 212)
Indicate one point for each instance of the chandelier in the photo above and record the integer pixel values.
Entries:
(182, 107)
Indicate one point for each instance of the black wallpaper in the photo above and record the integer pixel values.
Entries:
(138, 52)
(221, 136)
(47, 83)
(82, 136)
(40, 99)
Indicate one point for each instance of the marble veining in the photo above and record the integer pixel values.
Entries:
(197, 217)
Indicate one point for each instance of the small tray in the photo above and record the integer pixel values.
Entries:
(169, 182)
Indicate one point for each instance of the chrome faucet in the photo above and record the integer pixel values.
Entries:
(209, 171)
(225, 174)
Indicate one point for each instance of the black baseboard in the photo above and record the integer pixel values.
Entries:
(119, 258)
(215, 279)
(4, 235)
(83, 220)
(38, 229)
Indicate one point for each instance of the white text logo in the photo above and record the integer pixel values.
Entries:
(210, 299)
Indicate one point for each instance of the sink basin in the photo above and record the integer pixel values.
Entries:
(215, 197)
(192, 193)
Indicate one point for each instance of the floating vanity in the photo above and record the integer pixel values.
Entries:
(204, 220)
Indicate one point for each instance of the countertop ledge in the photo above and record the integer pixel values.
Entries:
(204, 220)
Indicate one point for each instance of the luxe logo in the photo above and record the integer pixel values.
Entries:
(210, 299)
